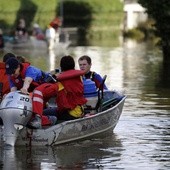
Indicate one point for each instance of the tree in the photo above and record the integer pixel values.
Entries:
(159, 10)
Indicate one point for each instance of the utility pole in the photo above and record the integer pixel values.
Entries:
(61, 13)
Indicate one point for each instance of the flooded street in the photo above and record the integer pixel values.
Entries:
(141, 139)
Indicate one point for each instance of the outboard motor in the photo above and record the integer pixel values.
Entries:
(15, 111)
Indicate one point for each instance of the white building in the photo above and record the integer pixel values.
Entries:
(134, 14)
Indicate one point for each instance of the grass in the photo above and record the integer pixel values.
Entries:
(99, 19)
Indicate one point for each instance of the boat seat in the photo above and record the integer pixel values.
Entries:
(98, 105)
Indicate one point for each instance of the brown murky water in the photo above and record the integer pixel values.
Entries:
(141, 139)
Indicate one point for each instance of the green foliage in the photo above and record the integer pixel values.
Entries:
(144, 31)
(90, 16)
(76, 14)
(135, 34)
(159, 10)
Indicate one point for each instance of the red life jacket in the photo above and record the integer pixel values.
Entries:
(23, 71)
(20, 79)
(72, 93)
(4, 79)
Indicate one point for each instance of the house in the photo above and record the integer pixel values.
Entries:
(134, 14)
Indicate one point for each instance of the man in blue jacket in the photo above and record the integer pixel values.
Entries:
(85, 64)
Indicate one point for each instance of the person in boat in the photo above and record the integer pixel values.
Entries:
(85, 64)
(37, 32)
(24, 76)
(21, 33)
(4, 81)
(68, 94)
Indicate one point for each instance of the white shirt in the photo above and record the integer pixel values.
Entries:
(50, 33)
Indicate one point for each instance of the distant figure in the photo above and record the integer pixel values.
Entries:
(37, 32)
(56, 24)
(1, 39)
(50, 37)
(21, 34)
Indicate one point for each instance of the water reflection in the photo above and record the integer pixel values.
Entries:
(91, 154)
(141, 138)
(51, 56)
(97, 153)
(8, 158)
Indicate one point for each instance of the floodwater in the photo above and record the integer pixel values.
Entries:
(141, 139)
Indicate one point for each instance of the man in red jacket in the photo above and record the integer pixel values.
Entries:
(68, 91)
(4, 82)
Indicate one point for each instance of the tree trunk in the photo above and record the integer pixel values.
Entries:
(166, 64)
(166, 54)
